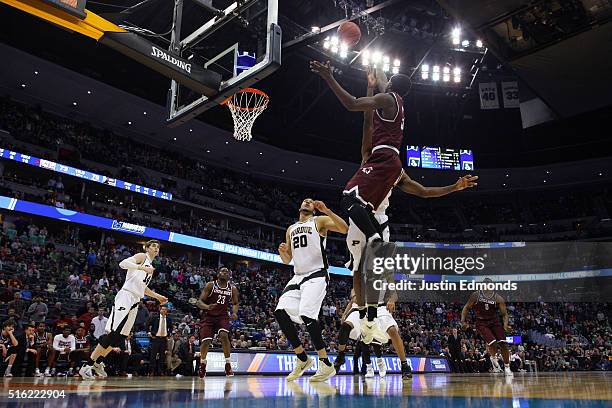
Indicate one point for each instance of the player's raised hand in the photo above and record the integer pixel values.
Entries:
(234, 316)
(371, 78)
(283, 249)
(321, 207)
(464, 182)
(162, 300)
(391, 307)
(321, 69)
(464, 326)
(507, 328)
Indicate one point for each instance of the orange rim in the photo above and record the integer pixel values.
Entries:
(250, 90)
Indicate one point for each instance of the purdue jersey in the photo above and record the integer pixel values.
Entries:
(137, 280)
(307, 247)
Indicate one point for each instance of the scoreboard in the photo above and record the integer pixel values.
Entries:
(439, 158)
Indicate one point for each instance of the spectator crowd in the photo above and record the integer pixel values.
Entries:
(56, 291)
(568, 215)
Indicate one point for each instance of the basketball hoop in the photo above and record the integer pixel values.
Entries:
(246, 105)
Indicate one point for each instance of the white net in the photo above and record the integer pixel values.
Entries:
(246, 105)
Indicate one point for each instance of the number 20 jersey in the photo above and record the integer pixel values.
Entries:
(137, 280)
(307, 247)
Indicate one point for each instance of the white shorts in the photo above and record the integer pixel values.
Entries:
(124, 313)
(303, 296)
(384, 319)
(356, 240)
(355, 321)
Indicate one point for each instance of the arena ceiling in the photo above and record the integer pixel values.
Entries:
(303, 116)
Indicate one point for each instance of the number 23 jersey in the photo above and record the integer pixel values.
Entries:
(137, 280)
(307, 247)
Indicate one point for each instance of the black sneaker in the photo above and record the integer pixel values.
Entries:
(339, 362)
(406, 372)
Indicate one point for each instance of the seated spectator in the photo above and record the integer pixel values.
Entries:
(8, 346)
(86, 318)
(37, 310)
(63, 345)
(190, 353)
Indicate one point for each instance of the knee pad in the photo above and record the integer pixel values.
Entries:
(287, 326)
(345, 331)
(313, 328)
(361, 215)
(113, 339)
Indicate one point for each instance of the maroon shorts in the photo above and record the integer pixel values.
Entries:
(490, 331)
(372, 182)
(211, 325)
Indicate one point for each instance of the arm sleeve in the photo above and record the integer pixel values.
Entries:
(129, 263)
(56, 343)
(72, 343)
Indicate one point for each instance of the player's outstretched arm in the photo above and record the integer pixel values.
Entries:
(331, 221)
(203, 296)
(284, 249)
(160, 298)
(368, 126)
(409, 186)
(378, 101)
(471, 302)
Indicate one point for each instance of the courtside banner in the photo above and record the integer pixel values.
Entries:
(42, 210)
(284, 363)
(83, 174)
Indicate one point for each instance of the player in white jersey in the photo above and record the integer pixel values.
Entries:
(301, 299)
(120, 322)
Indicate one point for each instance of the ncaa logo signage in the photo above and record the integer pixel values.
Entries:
(127, 227)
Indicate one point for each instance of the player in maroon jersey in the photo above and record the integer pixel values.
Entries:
(367, 189)
(485, 305)
(215, 301)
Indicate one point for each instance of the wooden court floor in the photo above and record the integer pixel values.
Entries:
(429, 390)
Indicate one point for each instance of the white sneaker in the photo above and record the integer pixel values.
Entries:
(99, 369)
(496, 367)
(8, 374)
(37, 373)
(382, 367)
(300, 367)
(179, 376)
(323, 373)
(369, 371)
(508, 372)
(47, 373)
(367, 330)
(86, 372)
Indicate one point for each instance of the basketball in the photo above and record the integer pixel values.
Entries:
(349, 33)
